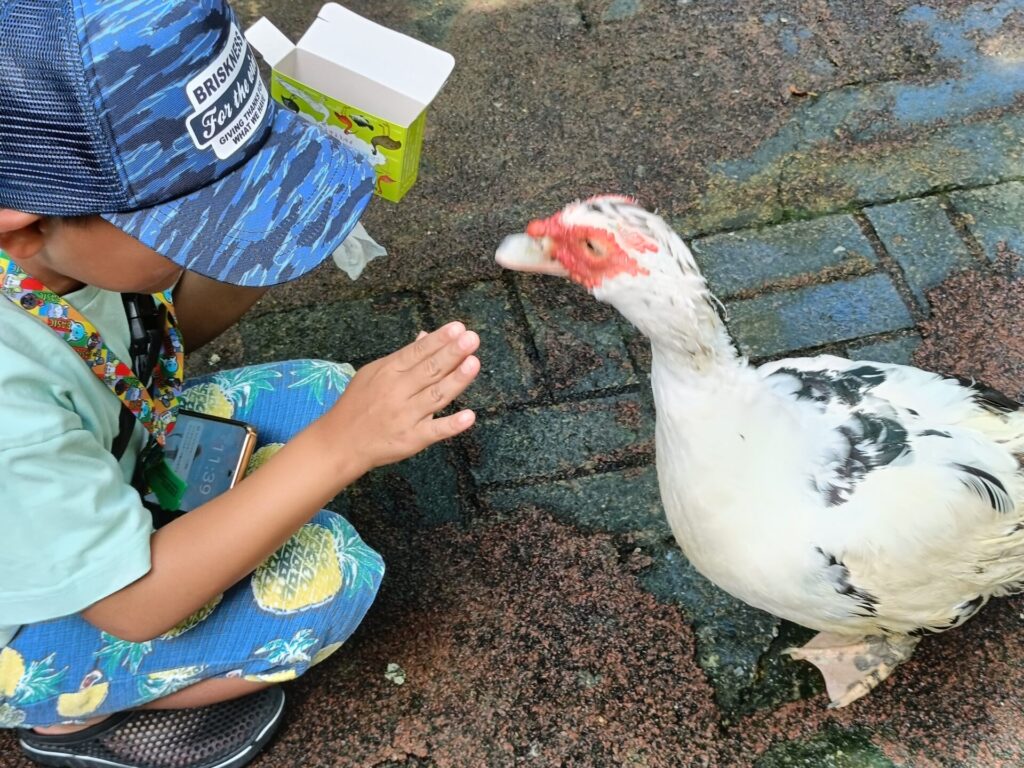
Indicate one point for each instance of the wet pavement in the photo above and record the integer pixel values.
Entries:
(848, 175)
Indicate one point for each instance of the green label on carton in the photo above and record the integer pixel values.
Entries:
(393, 150)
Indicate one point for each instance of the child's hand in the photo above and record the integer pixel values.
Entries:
(386, 413)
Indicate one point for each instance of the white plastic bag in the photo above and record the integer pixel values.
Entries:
(358, 250)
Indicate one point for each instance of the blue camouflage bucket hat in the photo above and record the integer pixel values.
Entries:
(153, 114)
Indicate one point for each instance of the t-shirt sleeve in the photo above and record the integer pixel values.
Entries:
(72, 530)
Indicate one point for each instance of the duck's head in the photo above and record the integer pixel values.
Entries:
(605, 244)
(625, 256)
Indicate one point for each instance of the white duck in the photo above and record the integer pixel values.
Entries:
(871, 502)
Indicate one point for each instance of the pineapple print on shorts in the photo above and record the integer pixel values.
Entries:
(302, 574)
(321, 378)
(314, 565)
(209, 399)
(22, 685)
(324, 653)
(86, 700)
(272, 677)
(281, 653)
(115, 653)
(262, 455)
(192, 621)
(228, 392)
(157, 685)
(128, 655)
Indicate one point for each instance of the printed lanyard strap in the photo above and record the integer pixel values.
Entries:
(155, 409)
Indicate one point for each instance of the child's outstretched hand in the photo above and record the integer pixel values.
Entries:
(386, 413)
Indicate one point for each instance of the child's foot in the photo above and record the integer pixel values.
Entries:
(63, 730)
(224, 735)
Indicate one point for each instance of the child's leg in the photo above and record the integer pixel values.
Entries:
(295, 610)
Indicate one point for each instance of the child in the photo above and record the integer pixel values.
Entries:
(139, 151)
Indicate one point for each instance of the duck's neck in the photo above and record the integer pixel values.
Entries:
(696, 346)
(679, 314)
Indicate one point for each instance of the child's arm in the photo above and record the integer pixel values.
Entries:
(206, 308)
(385, 415)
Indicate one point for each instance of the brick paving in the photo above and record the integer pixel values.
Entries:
(836, 167)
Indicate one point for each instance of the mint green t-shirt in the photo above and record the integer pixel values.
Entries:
(72, 528)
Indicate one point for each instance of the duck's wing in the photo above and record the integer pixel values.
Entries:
(919, 485)
(828, 379)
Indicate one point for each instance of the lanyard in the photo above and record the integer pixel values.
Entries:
(156, 407)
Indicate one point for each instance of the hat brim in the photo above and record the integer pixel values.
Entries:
(270, 220)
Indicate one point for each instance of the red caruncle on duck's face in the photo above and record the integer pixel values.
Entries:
(590, 254)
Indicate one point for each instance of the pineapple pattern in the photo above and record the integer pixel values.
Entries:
(156, 685)
(209, 399)
(294, 651)
(302, 574)
(22, 685)
(116, 652)
(194, 620)
(229, 392)
(322, 378)
(324, 653)
(87, 700)
(272, 677)
(293, 612)
(261, 455)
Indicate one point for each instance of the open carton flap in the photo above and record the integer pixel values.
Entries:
(377, 60)
(269, 41)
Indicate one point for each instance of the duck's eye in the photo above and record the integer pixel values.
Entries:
(592, 247)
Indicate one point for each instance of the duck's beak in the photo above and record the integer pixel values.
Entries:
(529, 254)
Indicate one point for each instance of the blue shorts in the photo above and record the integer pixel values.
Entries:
(296, 609)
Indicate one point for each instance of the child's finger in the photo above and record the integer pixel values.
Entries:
(450, 426)
(420, 335)
(445, 360)
(440, 394)
(424, 346)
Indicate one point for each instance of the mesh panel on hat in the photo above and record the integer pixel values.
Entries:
(54, 157)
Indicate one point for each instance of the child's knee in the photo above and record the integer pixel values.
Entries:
(361, 570)
(325, 576)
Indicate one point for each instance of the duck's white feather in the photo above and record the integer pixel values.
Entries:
(864, 496)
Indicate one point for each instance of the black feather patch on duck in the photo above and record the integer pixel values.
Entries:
(865, 604)
(989, 487)
(868, 443)
(966, 610)
(961, 613)
(847, 387)
(988, 398)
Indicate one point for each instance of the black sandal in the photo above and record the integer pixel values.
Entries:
(224, 735)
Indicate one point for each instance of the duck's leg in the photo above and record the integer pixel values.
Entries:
(853, 666)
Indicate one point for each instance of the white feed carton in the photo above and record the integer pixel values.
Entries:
(368, 85)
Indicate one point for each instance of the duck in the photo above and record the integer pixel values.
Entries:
(872, 502)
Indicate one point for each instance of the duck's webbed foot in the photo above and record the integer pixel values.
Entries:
(853, 666)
